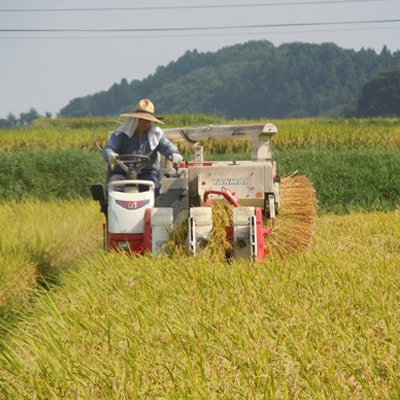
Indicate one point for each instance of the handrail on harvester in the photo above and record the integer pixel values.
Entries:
(259, 134)
(210, 132)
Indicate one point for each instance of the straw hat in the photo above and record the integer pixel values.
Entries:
(144, 110)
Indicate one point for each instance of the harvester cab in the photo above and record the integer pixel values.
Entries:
(249, 191)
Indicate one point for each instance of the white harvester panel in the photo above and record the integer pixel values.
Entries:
(244, 234)
(126, 210)
(161, 226)
(249, 180)
(199, 228)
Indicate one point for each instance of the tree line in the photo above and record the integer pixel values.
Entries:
(22, 120)
(257, 80)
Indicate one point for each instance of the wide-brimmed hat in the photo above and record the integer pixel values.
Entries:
(144, 110)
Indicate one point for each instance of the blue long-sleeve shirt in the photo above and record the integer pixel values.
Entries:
(151, 144)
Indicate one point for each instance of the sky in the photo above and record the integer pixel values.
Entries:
(53, 51)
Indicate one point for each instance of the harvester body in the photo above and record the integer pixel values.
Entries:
(139, 222)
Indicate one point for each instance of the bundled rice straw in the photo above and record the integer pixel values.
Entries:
(294, 227)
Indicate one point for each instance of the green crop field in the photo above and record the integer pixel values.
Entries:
(78, 323)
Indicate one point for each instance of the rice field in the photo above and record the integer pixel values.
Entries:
(315, 325)
(79, 323)
(84, 133)
(37, 240)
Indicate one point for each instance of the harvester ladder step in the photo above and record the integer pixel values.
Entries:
(200, 228)
(161, 226)
(271, 205)
(244, 233)
(253, 237)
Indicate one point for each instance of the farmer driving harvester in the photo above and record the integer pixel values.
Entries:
(140, 135)
(247, 192)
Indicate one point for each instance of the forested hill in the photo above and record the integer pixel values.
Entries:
(251, 80)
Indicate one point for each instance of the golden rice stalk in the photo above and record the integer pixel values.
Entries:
(294, 226)
(218, 246)
(175, 245)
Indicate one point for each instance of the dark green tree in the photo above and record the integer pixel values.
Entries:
(250, 80)
(381, 95)
(25, 119)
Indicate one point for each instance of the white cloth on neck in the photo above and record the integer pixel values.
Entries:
(155, 133)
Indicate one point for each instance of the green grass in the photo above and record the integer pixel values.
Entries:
(360, 179)
(48, 174)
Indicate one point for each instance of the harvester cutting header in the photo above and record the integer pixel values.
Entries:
(262, 212)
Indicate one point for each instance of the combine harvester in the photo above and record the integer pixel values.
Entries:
(261, 213)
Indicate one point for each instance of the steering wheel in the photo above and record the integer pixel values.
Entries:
(132, 162)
